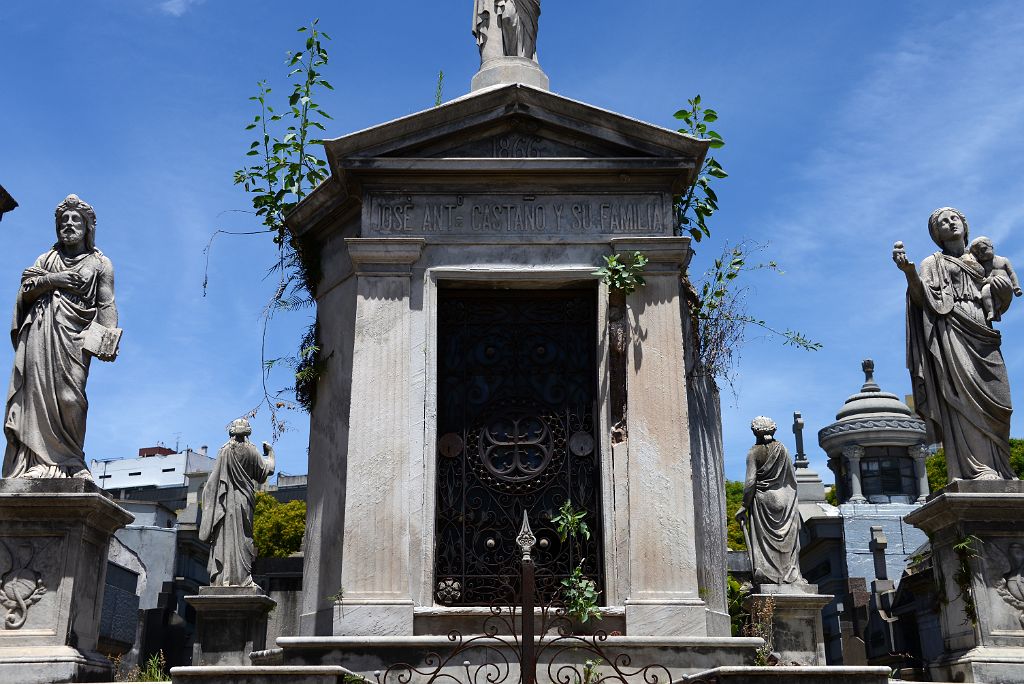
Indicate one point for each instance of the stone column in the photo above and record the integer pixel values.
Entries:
(853, 454)
(919, 452)
(376, 596)
(663, 597)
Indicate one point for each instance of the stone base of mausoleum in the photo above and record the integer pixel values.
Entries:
(366, 656)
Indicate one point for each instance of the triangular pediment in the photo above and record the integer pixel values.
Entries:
(514, 121)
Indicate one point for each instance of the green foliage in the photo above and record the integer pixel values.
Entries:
(966, 549)
(935, 466)
(277, 528)
(623, 273)
(591, 672)
(831, 496)
(759, 624)
(439, 93)
(569, 522)
(281, 170)
(938, 476)
(700, 202)
(578, 592)
(580, 595)
(338, 596)
(733, 502)
(736, 593)
(153, 670)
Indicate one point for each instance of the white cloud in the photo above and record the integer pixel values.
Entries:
(176, 8)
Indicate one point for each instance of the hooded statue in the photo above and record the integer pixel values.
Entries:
(229, 502)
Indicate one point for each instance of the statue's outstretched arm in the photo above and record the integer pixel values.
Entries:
(271, 459)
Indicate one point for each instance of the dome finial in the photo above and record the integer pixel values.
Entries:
(869, 377)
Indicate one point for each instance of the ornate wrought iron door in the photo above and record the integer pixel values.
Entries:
(516, 432)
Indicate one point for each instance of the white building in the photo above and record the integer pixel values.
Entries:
(153, 467)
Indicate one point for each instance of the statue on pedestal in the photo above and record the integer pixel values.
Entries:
(960, 384)
(64, 315)
(770, 518)
(229, 502)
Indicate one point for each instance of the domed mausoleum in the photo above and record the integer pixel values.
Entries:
(876, 448)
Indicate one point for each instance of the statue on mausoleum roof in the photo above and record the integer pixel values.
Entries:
(954, 355)
(64, 315)
(514, 22)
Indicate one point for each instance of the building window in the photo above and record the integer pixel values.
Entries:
(138, 472)
(167, 470)
(105, 477)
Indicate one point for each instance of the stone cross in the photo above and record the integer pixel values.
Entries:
(800, 458)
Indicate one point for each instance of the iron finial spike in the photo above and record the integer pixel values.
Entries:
(526, 538)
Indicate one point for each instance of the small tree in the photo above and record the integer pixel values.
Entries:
(277, 528)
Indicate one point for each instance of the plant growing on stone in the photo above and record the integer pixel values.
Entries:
(579, 593)
(623, 273)
(966, 549)
(759, 624)
(281, 169)
(569, 522)
(738, 615)
(700, 201)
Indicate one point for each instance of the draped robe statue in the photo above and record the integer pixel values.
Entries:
(517, 22)
(65, 294)
(229, 502)
(960, 384)
(770, 517)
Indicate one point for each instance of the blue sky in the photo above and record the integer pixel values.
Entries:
(847, 124)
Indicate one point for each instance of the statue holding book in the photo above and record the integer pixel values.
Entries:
(63, 316)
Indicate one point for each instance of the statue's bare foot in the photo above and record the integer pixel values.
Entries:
(83, 474)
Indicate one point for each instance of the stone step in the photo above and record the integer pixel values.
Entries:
(281, 674)
(790, 675)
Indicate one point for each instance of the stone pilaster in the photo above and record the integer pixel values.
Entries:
(376, 597)
(919, 452)
(853, 454)
(663, 586)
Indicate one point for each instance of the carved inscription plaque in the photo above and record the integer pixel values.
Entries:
(506, 215)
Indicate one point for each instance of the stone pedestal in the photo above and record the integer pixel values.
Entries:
(982, 582)
(796, 622)
(231, 623)
(54, 536)
(504, 70)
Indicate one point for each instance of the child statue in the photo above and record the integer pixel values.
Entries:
(984, 252)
